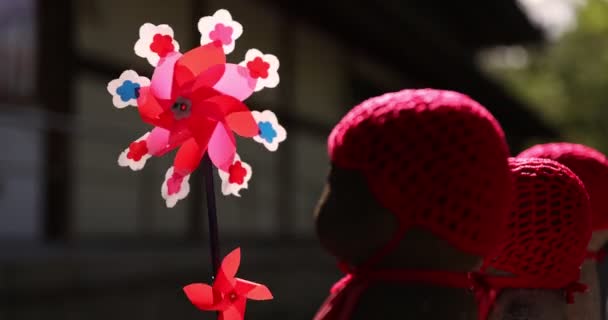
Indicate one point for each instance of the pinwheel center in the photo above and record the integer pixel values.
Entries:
(181, 108)
(232, 296)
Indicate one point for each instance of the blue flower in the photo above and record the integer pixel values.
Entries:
(267, 132)
(271, 133)
(128, 90)
(125, 89)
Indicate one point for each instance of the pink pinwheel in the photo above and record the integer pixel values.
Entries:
(228, 295)
(196, 97)
(195, 102)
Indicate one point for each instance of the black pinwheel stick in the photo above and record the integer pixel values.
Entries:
(214, 242)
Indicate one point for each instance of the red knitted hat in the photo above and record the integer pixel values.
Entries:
(590, 165)
(436, 159)
(549, 226)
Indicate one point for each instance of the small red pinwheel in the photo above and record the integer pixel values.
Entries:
(228, 295)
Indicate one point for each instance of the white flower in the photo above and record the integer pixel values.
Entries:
(262, 67)
(220, 27)
(125, 89)
(239, 171)
(271, 132)
(155, 42)
(182, 190)
(126, 160)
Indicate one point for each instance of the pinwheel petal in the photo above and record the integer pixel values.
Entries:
(200, 295)
(232, 261)
(162, 79)
(243, 124)
(225, 281)
(236, 82)
(196, 61)
(210, 77)
(222, 147)
(227, 104)
(202, 129)
(260, 292)
(158, 142)
(152, 110)
(237, 115)
(188, 157)
(242, 287)
(252, 290)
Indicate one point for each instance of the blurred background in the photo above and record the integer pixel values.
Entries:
(81, 238)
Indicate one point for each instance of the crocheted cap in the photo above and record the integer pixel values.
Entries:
(436, 159)
(549, 225)
(590, 165)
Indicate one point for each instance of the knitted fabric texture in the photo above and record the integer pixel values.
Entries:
(549, 226)
(436, 159)
(590, 165)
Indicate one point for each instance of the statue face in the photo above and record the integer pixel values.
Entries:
(598, 240)
(350, 223)
(352, 226)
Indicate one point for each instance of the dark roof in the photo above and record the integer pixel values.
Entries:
(435, 44)
(474, 23)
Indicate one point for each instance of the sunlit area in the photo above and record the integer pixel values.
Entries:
(565, 79)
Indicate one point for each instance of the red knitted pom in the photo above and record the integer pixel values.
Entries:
(436, 159)
(549, 226)
(590, 165)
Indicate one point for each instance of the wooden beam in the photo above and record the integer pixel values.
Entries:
(284, 172)
(55, 34)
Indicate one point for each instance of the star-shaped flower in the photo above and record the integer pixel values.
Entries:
(271, 133)
(220, 27)
(155, 42)
(125, 89)
(262, 67)
(236, 177)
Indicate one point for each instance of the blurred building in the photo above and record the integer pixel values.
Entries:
(81, 236)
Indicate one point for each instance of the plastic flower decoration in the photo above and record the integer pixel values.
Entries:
(124, 89)
(194, 101)
(236, 178)
(228, 295)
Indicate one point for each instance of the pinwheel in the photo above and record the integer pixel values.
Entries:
(228, 295)
(195, 103)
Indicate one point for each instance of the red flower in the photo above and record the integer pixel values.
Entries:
(258, 68)
(174, 183)
(162, 44)
(237, 173)
(228, 294)
(137, 150)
